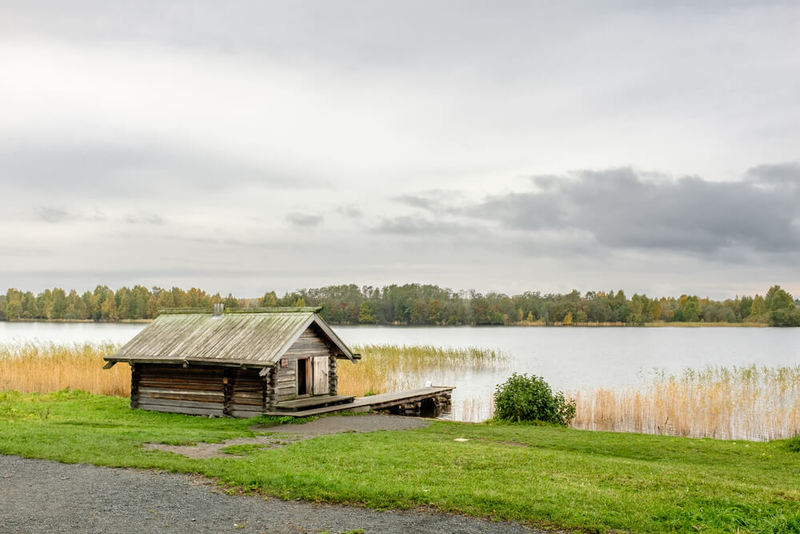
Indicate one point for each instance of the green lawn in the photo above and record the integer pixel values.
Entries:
(537, 474)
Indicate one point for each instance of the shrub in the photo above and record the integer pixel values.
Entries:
(529, 398)
(785, 317)
(794, 443)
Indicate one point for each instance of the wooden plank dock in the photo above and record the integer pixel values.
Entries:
(428, 401)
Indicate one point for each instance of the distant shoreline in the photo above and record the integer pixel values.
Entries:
(80, 321)
(657, 324)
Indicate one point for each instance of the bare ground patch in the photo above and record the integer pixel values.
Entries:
(284, 435)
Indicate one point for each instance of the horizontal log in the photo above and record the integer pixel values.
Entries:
(194, 390)
(255, 387)
(247, 394)
(189, 378)
(180, 409)
(180, 371)
(182, 385)
(173, 391)
(247, 402)
(181, 403)
(184, 376)
(251, 407)
(256, 396)
(166, 397)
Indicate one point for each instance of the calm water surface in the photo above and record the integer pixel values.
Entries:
(569, 358)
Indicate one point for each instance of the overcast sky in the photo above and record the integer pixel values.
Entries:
(251, 146)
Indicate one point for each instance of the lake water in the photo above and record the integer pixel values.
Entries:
(569, 359)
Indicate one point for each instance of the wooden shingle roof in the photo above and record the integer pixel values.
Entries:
(252, 339)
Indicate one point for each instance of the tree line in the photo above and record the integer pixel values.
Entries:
(413, 304)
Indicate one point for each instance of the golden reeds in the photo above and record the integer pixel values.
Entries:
(473, 409)
(33, 368)
(756, 403)
(721, 402)
(46, 368)
(386, 368)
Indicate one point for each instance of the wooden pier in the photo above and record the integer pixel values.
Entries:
(426, 402)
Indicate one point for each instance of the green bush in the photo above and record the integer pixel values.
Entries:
(794, 443)
(529, 398)
(785, 317)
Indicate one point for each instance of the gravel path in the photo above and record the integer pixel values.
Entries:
(44, 496)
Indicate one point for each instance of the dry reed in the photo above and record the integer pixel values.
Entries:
(394, 367)
(46, 368)
(755, 403)
(33, 368)
(473, 409)
(721, 402)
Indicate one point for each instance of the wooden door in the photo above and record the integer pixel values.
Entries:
(321, 367)
(302, 376)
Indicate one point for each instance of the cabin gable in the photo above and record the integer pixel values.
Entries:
(307, 367)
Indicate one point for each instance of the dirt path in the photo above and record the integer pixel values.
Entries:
(283, 435)
(43, 496)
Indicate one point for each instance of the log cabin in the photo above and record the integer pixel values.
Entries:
(239, 364)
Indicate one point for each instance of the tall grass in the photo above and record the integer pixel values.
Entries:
(755, 403)
(386, 368)
(40, 368)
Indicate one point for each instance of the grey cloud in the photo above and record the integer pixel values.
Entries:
(129, 168)
(145, 218)
(417, 201)
(777, 176)
(52, 214)
(435, 200)
(418, 226)
(352, 212)
(378, 34)
(622, 209)
(303, 220)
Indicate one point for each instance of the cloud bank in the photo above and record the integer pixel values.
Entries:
(253, 146)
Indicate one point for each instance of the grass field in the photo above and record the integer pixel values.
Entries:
(593, 481)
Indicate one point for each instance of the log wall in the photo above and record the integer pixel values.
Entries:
(172, 388)
(196, 390)
(248, 393)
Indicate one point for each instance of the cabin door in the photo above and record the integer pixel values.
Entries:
(302, 376)
(320, 374)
